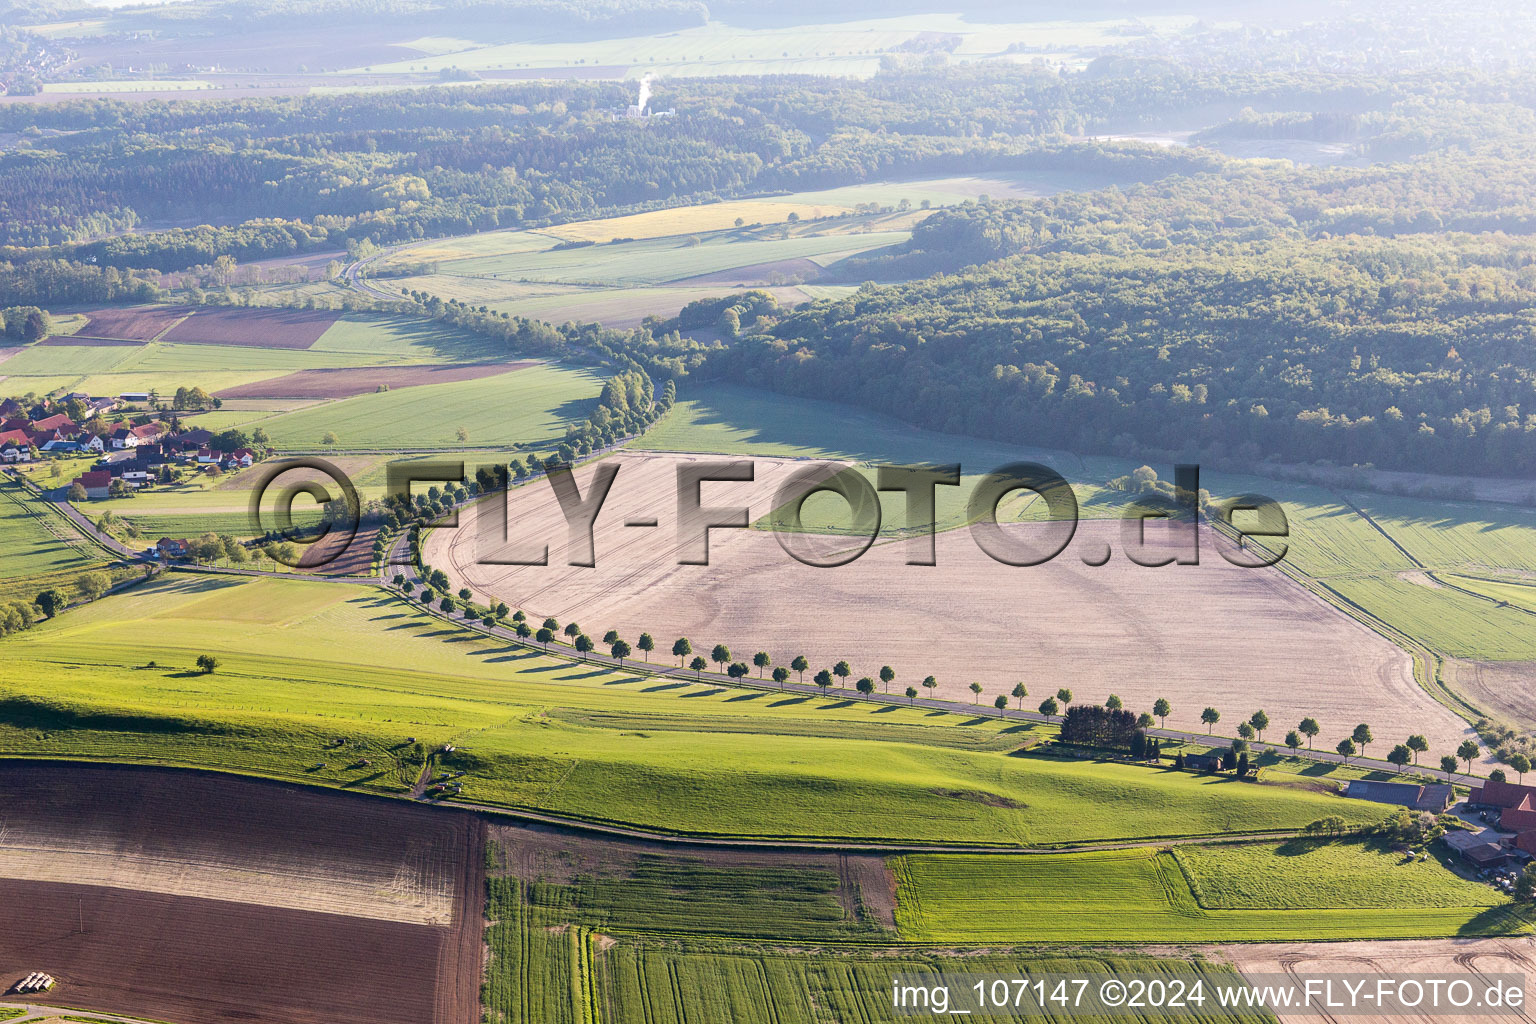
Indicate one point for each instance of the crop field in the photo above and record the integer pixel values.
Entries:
(1142, 895)
(304, 663)
(526, 406)
(1307, 874)
(851, 49)
(1453, 623)
(50, 360)
(657, 261)
(259, 328)
(347, 382)
(35, 542)
(584, 928)
(133, 323)
(1457, 534)
(274, 904)
(1093, 628)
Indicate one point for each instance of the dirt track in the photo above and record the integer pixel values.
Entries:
(1213, 634)
(206, 898)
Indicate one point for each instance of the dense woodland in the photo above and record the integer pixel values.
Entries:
(1175, 302)
(1296, 315)
(259, 178)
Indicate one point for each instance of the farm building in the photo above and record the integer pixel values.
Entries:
(1480, 849)
(1202, 762)
(1435, 797)
(1516, 804)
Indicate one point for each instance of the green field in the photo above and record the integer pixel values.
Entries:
(303, 660)
(531, 405)
(36, 541)
(1307, 875)
(658, 261)
(56, 360)
(1445, 619)
(1266, 893)
(721, 418)
(669, 949)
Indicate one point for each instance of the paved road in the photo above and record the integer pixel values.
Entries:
(80, 521)
(353, 274)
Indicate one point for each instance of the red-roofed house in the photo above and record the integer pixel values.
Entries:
(1501, 794)
(167, 549)
(1518, 819)
(1526, 842)
(148, 432)
(240, 458)
(16, 437)
(59, 423)
(96, 483)
(1516, 804)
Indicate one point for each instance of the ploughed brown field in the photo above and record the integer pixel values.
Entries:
(209, 899)
(130, 323)
(346, 382)
(259, 328)
(1213, 634)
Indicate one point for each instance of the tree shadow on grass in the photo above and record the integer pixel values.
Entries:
(1501, 920)
(592, 674)
(885, 709)
(746, 696)
(834, 707)
(787, 701)
(703, 693)
(663, 686)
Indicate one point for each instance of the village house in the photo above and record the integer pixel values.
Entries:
(167, 549)
(241, 458)
(96, 483)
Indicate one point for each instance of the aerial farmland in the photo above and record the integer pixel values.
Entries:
(563, 513)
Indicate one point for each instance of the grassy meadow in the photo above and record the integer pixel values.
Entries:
(1265, 892)
(304, 662)
(532, 405)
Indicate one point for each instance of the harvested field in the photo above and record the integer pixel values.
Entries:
(361, 380)
(259, 328)
(794, 271)
(1422, 959)
(1505, 689)
(131, 323)
(1212, 634)
(209, 898)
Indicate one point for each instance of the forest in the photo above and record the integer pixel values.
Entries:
(1176, 303)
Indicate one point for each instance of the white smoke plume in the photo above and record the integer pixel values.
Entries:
(645, 93)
